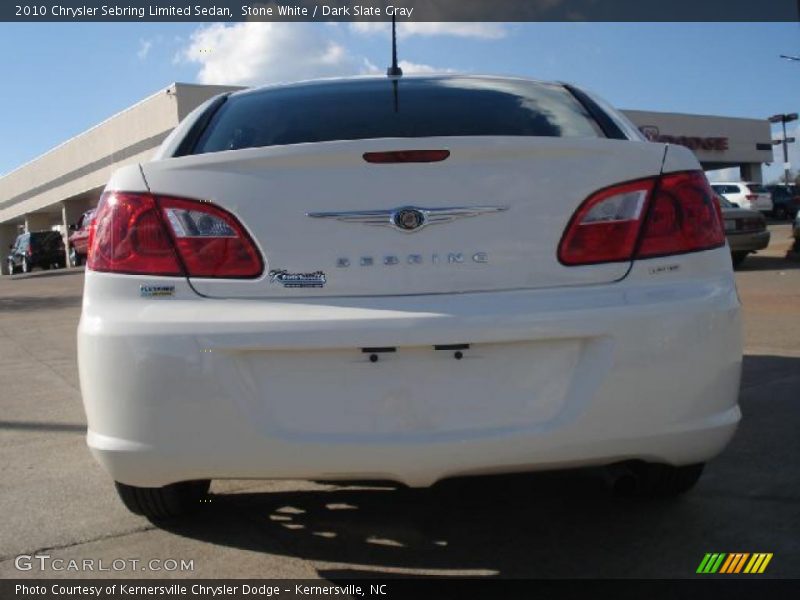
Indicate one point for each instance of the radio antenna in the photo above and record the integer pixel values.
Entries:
(394, 70)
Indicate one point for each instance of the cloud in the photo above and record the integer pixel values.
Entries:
(254, 53)
(411, 68)
(257, 53)
(144, 48)
(408, 67)
(485, 31)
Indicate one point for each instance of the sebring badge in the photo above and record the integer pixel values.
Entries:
(297, 280)
(449, 258)
(408, 218)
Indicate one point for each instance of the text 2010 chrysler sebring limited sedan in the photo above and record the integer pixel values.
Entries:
(406, 279)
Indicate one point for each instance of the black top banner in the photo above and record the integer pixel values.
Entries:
(403, 10)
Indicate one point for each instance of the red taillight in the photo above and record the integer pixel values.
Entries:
(751, 197)
(144, 234)
(683, 217)
(210, 241)
(406, 156)
(605, 228)
(672, 214)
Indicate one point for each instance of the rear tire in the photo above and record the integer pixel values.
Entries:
(738, 258)
(163, 502)
(654, 480)
(781, 213)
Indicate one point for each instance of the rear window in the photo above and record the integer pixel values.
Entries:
(40, 236)
(778, 191)
(45, 239)
(376, 108)
(723, 202)
(725, 189)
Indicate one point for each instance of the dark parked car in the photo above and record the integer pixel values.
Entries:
(745, 229)
(785, 201)
(43, 249)
(79, 238)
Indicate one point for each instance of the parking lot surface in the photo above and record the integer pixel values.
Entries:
(56, 500)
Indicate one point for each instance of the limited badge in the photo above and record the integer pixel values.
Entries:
(155, 291)
(297, 280)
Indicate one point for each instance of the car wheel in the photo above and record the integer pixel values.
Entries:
(781, 213)
(74, 258)
(26, 267)
(738, 258)
(654, 480)
(163, 502)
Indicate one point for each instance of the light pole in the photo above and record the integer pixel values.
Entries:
(783, 120)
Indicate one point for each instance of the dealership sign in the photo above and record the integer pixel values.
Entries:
(714, 144)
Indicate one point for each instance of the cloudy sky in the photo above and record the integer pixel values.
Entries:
(61, 79)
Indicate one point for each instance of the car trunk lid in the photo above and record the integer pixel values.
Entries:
(498, 208)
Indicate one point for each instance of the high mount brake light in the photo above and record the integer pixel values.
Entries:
(139, 233)
(406, 156)
(671, 214)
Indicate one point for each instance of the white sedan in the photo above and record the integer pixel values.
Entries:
(407, 279)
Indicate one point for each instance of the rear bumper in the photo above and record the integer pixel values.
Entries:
(748, 242)
(190, 388)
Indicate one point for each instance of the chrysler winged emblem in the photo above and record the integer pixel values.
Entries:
(408, 218)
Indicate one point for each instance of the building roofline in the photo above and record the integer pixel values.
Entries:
(162, 90)
(685, 114)
(166, 89)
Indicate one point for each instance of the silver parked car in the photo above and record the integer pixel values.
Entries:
(745, 229)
